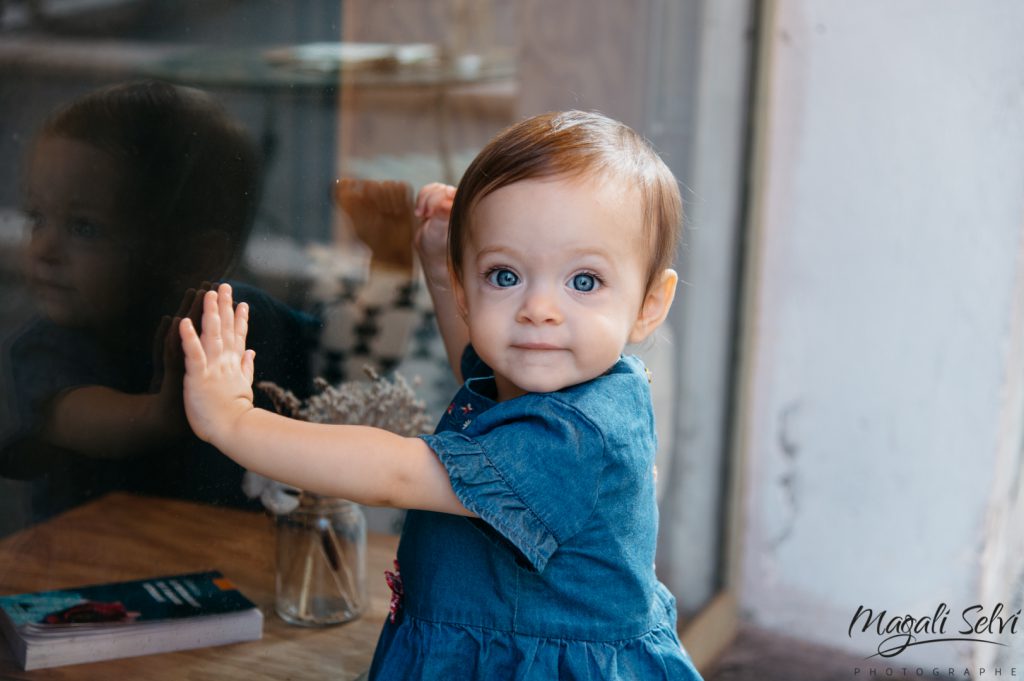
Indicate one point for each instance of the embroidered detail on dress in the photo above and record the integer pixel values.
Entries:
(465, 424)
(394, 580)
(450, 409)
(466, 408)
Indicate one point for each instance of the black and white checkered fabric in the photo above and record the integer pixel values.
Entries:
(386, 323)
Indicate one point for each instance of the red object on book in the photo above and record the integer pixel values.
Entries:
(91, 611)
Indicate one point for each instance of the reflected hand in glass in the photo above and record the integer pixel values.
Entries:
(381, 215)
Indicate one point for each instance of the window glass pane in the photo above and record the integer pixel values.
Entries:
(150, 148)
(153, 148)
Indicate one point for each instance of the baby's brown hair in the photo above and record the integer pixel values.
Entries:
(573, 144)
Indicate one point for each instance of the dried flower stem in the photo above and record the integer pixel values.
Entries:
(307, 581)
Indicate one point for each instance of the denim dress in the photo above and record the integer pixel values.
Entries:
(555, 579)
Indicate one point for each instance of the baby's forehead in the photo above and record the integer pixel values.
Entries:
(571, 214)
(600, 190)
(600, 185)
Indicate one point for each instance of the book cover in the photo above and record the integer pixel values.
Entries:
(104, 621)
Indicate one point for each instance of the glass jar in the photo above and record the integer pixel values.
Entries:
(321, 562)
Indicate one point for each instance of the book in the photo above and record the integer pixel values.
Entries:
(124, 619)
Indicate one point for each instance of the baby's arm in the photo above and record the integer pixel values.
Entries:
(100, 422)
(433, 206)
(105, 423)
(367, 465)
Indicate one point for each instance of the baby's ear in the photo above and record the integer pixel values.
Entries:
(656, 305)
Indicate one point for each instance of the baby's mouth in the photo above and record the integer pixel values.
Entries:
(40, 282)
(536, 346)
(48, 288)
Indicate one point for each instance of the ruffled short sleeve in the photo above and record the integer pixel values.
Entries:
(530, 468)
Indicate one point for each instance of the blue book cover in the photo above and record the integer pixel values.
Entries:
(65, 626)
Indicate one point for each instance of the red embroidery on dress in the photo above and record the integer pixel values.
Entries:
(466, 408)
(394, 580)
(451, 407)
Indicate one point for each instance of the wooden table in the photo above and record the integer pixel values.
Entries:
(121, 537)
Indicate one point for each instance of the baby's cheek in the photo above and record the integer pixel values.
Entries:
(109, 285)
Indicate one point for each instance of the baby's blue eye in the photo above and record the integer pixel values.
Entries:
(83, 229)
(584, 282)
(35, 220)
(503, 278)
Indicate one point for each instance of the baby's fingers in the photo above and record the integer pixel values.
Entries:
(173, 358)
(241, 326)
(195, 356)
(195, 309)
(226, 310)
(186, 302)
(422, 201)
(212, 338)
(160, 339)
(443, 207)
(249, 365)
(432, 197)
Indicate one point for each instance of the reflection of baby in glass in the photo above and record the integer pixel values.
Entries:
(135, 195)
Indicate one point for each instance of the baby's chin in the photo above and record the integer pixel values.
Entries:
(68, 320)
(72, 314)
(59, 313)
(550, 384)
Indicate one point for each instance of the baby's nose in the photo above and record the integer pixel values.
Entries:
(46, 243)
(540, 306)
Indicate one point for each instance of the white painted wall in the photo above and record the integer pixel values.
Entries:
(882, 421)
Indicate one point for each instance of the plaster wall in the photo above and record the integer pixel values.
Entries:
(882, 419)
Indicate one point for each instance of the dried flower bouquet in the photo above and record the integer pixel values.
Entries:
(378, 402)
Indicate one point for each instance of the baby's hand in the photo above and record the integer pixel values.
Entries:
(168, 359)
(434, 207)
(218, 368)
(167, 414)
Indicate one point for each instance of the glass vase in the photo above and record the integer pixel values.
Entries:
(321, 562)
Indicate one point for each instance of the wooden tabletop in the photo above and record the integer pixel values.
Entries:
(124, 537)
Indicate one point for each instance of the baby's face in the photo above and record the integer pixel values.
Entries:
(82, 255)
(553, 281)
